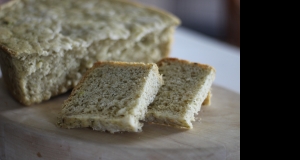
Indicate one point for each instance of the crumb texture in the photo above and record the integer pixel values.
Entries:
(49, 45)
(186, 87)
(112, 96)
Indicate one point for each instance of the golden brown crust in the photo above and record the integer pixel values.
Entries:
(207, 101)
(7, 50)
(169, 122)
(166, 60)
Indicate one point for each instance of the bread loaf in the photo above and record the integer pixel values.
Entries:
(112, 96)
(47, 45)
(186, 86)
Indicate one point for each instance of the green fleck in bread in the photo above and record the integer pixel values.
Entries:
(112, 96)
(47, 45)
(186, 86)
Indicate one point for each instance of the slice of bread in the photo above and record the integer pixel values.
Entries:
(112, 96)
(47, 45)
(186, 87)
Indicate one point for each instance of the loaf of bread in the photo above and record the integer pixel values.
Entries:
(47, 45)
(112, 96)
(186, 86)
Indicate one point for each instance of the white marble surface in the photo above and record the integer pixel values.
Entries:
(196, 47)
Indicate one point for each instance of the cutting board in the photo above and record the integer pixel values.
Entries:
(31, 133)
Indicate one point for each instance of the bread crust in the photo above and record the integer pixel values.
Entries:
(16, 55)
(182, 61)
(173, 110)
(207, 101)
(111, 121)
(176, 21)
(96, 65)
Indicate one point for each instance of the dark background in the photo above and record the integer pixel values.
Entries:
(219, 19)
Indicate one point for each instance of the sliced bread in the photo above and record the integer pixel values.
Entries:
(47, 45)
(186, 87)
(112, 96)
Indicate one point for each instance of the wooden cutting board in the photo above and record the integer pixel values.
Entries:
(31, 133)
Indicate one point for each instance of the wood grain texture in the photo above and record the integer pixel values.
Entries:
(31, 133)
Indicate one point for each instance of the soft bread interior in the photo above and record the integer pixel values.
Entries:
(186, 87)
(112, 96)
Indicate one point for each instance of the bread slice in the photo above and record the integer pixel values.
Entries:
(46, 46)
(186, 87)
(112, 96)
